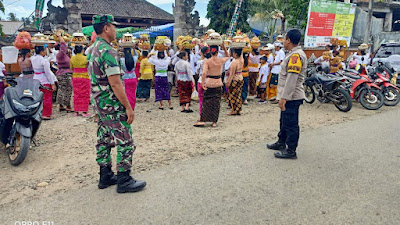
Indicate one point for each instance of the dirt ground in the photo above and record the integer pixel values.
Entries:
(64, 158)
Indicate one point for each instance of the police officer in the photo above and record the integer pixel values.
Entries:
(115, 113)
(290, 96)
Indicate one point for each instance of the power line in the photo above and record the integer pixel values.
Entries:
(13, 2)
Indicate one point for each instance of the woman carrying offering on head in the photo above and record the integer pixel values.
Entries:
(80, 82)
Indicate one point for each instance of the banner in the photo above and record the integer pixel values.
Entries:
(235, 18)
(327, 19)
(38, 12)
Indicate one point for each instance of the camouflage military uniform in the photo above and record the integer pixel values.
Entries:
(113, 129)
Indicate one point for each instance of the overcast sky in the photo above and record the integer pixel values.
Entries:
(24, 8)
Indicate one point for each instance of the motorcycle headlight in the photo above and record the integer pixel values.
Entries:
(19, 106)
(33, 106)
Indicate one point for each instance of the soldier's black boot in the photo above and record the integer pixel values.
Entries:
(127, 184)
(286, 154)
(107, 177)
(279, 146)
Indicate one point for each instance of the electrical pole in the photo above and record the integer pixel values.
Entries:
(367, 34)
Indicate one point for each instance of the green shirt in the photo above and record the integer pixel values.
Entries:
(103, 61)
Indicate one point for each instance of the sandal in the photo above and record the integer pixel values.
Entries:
(69, 110)
(76, 114)
(47, 118)
(214, 125)
(198, 125)
(85, 115)
(161, 108)
(188, 111)
(171, 108)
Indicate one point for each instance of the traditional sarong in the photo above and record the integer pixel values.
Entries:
(47, 101)
(137, 69)
(64, 91)
(211, 105)
(235, 95)
(130, 89)
(272, 86)
(200, 90)
(2, 87)
(252, 83)
(185, 89)
(81, 85)
(143, 89)
(161, 87)
(245, 89)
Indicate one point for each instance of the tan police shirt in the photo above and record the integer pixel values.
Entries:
(292, 75)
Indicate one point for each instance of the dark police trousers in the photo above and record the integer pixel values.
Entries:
(289, 124)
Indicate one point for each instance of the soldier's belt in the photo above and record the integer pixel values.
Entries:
(161, 71)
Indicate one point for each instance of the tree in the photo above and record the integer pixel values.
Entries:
(220, 13)
(12, 17)
(293, 11)
(2, 9)
(27, 21)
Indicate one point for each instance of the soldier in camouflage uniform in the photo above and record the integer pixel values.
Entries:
(113, 108)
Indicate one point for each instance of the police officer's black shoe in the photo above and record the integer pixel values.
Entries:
(127, 184)
(286, 154)
(279, 146)
(107, 177)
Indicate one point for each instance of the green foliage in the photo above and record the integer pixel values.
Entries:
(220, 13)
(2, 9)
(295, 11)
(12, 17)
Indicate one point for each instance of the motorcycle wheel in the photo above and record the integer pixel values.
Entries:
(310, 94)
(391, 96)
(17, 154)
(372, 102)
(345, 104)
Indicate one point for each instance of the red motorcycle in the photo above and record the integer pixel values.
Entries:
(389, 91)
(362, 88)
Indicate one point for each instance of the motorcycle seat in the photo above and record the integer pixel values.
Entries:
(324, 78)
(352, 76)
(350, 71)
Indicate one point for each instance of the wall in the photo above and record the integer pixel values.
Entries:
(360, 25)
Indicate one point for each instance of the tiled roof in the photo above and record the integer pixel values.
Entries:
(125, 9)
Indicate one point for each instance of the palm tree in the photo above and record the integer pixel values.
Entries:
(2, 9)
(271, 9)
(12, 17)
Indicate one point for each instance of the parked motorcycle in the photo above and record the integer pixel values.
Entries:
(327, 88)
(389, 91)
(20, 116)
(362, 89)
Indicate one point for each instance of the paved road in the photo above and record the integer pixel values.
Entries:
(345, 174)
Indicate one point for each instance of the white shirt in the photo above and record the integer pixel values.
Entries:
(270, 58)
(192, 61)
(2, 68)
(199, 69)
(362, 59)
(42, 66)
(279, 57)
(161, 65)
(183, 71)
(264, 73)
